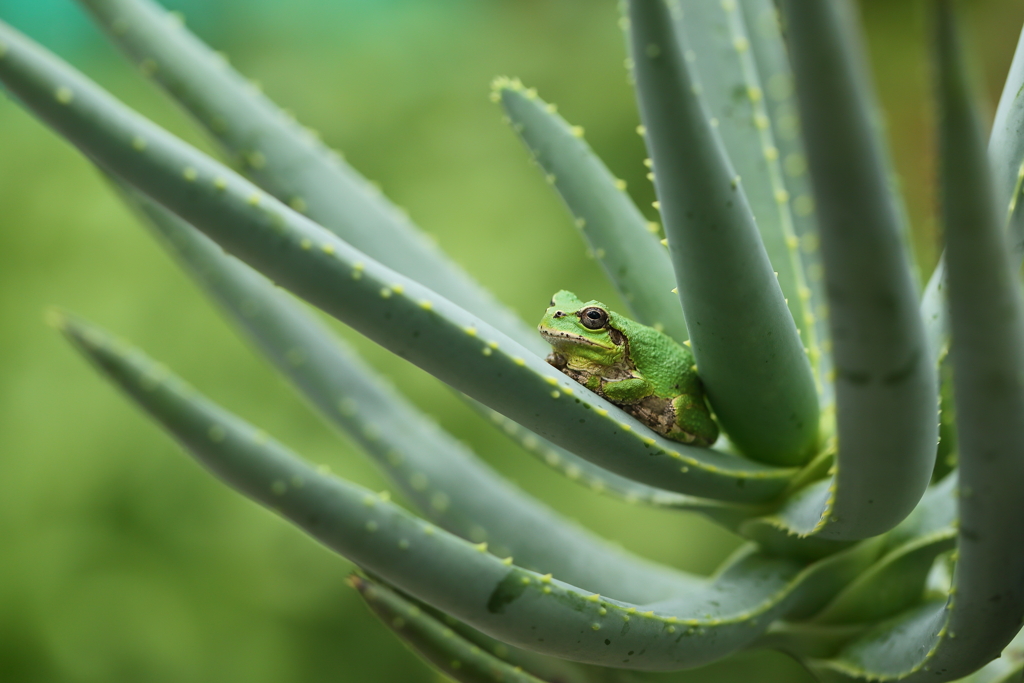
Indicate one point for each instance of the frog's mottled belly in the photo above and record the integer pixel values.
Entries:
(657, 413)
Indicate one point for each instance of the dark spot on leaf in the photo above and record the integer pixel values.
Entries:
(506, 592)
(902, 374)
(853, 376)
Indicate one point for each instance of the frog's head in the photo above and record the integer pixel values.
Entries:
(582, 329)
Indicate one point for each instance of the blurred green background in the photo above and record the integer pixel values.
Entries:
(120, 560)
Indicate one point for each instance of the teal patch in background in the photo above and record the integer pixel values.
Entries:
(62, 26)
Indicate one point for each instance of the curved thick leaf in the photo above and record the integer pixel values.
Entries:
(1009, 668)
(543, 666)
(733, 89)
(985, 607)
(935, 313)
(600, 480)
(946, 455)
(1006, 154)
(886, 396)
(781, 529)
(618, 235)
(895, 583)
(512, 604)
(935, 512)
(396, 312)
(287, 160)
(808, 641)
(440, 475)
(445, 650)
(751, 359)
(1006, 149)
(769, 50)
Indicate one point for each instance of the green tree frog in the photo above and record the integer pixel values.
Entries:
(634, 366)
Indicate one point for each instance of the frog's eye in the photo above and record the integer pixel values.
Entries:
(593, 318)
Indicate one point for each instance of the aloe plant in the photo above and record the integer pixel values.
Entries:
(786, 271)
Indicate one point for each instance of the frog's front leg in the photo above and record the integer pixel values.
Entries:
(627, 390)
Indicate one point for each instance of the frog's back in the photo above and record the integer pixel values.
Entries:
(666, 364)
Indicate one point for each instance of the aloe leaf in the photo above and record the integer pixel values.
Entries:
(434, 642)
(731, 85)
(619, 236)
(895, 583)
(987, 323)
(886, 397)
(775, 532)
(827, 577)
(781, 530)
(287, 160)
(542, 666)
(396, 312)
(1006, 148)
(512, 604)
(936, 511)
(808, 641)
(984, 609)
(600, 480)
(935, 313)
(1006, 154)
(1009, 668)
(770, 55)
(441, 476)
(751, 359)
(946, 455)
(900, 570)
